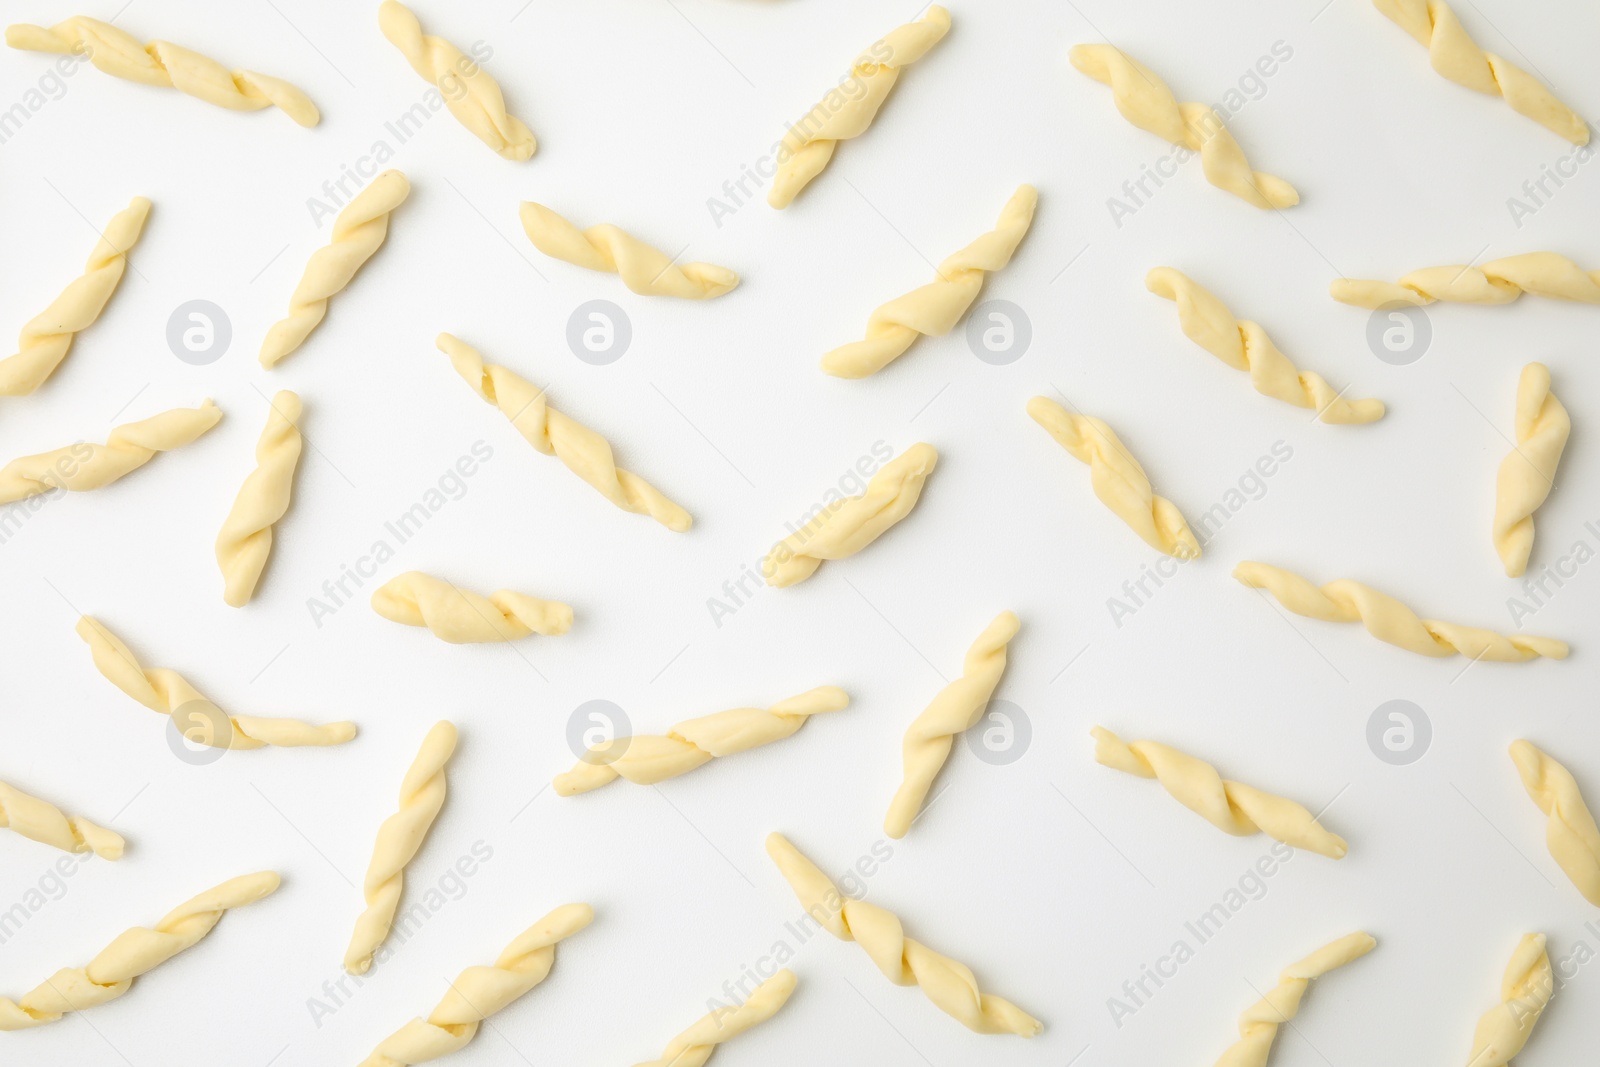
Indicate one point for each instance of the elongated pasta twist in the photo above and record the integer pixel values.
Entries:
(461, 616)
(245, 541)
(1572, 836)
(82, 467)
(1499, 281)
(1525, 991)
(42, 821)
(1528, 473)
(611, 250)
(1258, 1026)
(694, 1046)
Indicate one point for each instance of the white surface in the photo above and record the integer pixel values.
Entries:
(1031, 873)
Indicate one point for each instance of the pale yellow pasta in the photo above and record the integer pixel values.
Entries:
(1144, 100)
(1571, 835)
(472, 96)
(1258, 1026)
(610, 250)
(649, 758)
(1117, 478)
(1528, 472)
(1391, 621)
(848, 111)
(165, 64)
(422, 794)
(461, 616)
(479, 992)
(82, 467)
(135, 952)
(245, 540)
(950, 985)
(1456, 56)
(1244, 345)
(42, 821)
(584, 452)
(935, 308)
(48, 336)
(1500, 281)
(358, 232)
(955, 710)
(694, 1046)
(1232, 807)
(1525, 991)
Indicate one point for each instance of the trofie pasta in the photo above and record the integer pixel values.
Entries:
(647, 759)
(245, 540)
(461, 616)
(48, 336)
(1572, 836)
(83, 467)
(611, 250)
(135, 952)
(694, 1046)
(42, 821)
(1231, 807)
(1525, 991)
(1500, 281)
(1258, 1026)
(1528, 473)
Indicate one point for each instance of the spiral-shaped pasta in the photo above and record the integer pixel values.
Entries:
(42, 821)
(1528, 472)
(245, 540)
(610, 250)
(461, 616)
(81, 467)
(1499, 281)
(1571, 835)
(694, 1046)
(1258, 1026)
(1525, 991)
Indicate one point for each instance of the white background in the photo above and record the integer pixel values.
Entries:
(1054, 878)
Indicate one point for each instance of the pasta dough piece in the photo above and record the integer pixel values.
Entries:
(1258, 1026)
(1456, 56)
(1525, 991)
(950, 985)
(1118, 479)
(401, 835)
(1232, 807)
(42, 821)
(846, 526)
(1144, 100)
(1500, 281)
(694, 1046)
(169, 693)
(81, 467)
(472, 96)
(1572, 836)
(1528, 473)
(610, 250)
(808, 145)
(46, 339)
(1244, 345)
(245, 541)
(1391, 621)
(358, 232)
(461, 616)
(648, 759)
(584, 452)
(135, 952)
(954, 711)
(479, 992)
(164, 64)
(935, 308)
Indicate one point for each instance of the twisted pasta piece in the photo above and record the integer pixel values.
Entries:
(808, 145)
(81, 467)
(358, 232)
(584, 452)
(950, 985)
(245, 540)
(472, 96)
(1232, 807)
(169, 693)
(1118, 479)
(1389, 620)
(165, 64)
(135, 952)
(461, 616)
(694, 1046)
(1144, 100)
(479, 992)
(42, 821)
(1525, 991)
(955, 710)
(48, 336)
(648, 759)
(1258, 1026)
(1244, 345)
(935, 308)
(1528, 473)
(846, 526)
(1572, 836)
(421, 796)
(1499, 281)
(1456, 56)
(611, 250)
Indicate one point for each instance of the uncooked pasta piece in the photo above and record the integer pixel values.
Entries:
(1528, 473)
(1258, 1026)
(82, 467)
(461, 616)
(1499, 281)
(1571, 835)
(610, 250)
(694, 1046)
(42, 821)
(1525, 991)
(245, 541)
